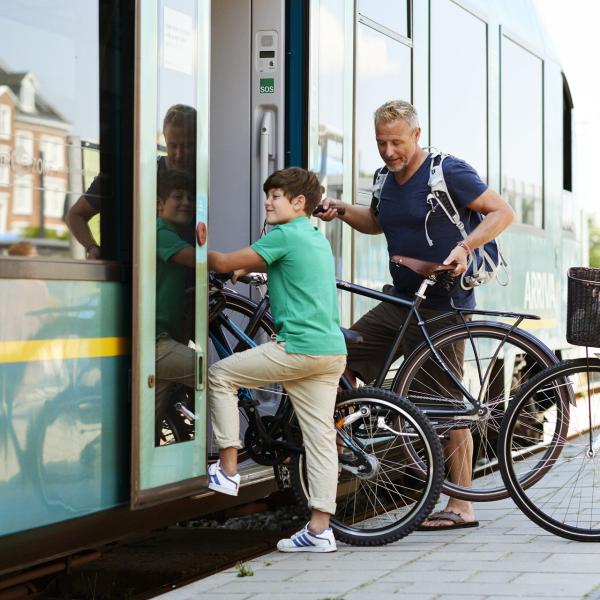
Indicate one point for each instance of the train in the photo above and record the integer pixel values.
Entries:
(86, 93)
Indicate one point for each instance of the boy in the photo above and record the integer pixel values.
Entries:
(307, 357)
(175, 362)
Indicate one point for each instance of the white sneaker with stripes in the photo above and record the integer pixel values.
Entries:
(307, 541)
(219, 481)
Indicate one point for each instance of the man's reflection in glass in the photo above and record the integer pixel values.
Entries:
(179, 131)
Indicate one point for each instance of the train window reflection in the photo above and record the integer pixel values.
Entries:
(521, 111)
(328, 155)
(459, 119)
(393, 15)
(176, 134)
(389, 77)
(49, 112)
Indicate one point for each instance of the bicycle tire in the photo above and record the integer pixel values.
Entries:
(563, 500)
(490, 349)
(240, 309)
(410, 486)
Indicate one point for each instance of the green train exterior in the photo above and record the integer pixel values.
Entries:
(79, 462)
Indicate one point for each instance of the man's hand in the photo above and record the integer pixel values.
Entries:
(331, 209)
(459, 256)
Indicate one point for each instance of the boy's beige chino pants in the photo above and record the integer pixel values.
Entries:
(311, 382)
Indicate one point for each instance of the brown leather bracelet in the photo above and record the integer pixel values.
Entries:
(464, 246)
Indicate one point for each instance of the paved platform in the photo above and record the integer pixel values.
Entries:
(506, 557)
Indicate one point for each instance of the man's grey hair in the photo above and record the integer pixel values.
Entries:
(397, 109)
(180, 115)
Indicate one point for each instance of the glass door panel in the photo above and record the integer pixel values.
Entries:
(170, 278)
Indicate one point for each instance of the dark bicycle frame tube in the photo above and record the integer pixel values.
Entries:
(414, 311)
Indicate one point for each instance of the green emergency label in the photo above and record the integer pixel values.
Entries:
(267, 86)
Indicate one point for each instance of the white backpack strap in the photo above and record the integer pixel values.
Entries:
(439, 192)
(380, 179)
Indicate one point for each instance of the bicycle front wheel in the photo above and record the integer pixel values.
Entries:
(492, 362)
(402, 468)
(562, 408)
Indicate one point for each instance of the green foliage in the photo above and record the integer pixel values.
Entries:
(243, 570)
(34, 232)
(594, 241)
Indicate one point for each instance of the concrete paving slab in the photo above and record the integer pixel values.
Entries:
(506, 558)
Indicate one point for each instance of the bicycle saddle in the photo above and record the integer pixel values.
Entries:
(426, 268)
(352, 337)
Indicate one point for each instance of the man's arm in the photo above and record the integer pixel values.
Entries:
(246, 259)
(498, 216)
(361, 218)
(77, 219)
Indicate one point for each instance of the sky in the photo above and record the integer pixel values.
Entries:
(572, 25)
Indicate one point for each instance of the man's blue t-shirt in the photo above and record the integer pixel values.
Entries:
(402, 210)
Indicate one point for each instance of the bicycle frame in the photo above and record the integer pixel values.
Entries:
(473, 405)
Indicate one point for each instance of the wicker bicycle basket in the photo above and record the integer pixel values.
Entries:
(583, 307)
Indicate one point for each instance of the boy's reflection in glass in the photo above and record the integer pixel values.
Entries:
(179, 131)
(175, 361)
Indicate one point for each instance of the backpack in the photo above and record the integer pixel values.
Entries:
(483, 263)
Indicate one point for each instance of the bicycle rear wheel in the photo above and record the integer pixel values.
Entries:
(495, 363)
(563, 497)
(402, 483)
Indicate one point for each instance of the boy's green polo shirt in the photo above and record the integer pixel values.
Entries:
(170, 279)
(302, 288)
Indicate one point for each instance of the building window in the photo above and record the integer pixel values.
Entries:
(5, 122)
(24, 147)
(4, 165)
(53, 150)
(521, 110)
(54, 196)
(459, 95)
(23, 195)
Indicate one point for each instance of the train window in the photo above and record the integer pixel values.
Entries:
(48, 97)
(176, 219)
(393, 15)
(459, 119)
(327, 147)
(57, 99)
(383, 72)
(521, 109)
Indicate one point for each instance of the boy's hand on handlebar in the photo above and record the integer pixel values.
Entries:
(459, 257)
(239, 273)
(329, 209)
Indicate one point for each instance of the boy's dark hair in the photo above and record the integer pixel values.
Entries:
(173, 179)
(294, 181)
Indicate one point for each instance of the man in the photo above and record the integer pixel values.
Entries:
(179, 130)
(399, 213)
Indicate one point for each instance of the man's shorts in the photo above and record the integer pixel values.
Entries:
(379, 328)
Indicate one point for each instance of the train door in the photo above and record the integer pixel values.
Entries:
(247, 115)
(170, 216)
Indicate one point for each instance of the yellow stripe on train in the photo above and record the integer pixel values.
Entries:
(62, 349)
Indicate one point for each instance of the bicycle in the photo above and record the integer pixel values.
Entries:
(497, 359)
(562, 498)
(390, 458)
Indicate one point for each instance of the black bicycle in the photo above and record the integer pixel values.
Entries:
(390, 458)
(560, 409)
(462, 377)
